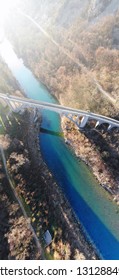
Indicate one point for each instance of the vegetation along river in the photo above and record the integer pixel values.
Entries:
(94, 207)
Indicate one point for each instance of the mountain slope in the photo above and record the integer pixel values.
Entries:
(73, 48)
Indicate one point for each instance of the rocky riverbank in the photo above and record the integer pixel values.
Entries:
(45, 202)
(99, 150)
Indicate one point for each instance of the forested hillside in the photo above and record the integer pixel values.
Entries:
(73, 48)
(7, 82)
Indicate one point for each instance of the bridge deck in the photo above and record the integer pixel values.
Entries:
(61, 109)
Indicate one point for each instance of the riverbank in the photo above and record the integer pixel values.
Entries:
(99, 150)
(47, 206)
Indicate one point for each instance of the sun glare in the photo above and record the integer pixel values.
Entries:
(5, 7)
(8, 55)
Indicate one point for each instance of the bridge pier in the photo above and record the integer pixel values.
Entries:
(81, 124)
(110, 127)
(83, 121)
(10, 105)
(77, 121)
(98, 123)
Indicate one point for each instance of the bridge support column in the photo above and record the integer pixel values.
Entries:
(110, 127)
(83, 122)
(98, 123)
(3, 100)
(10, 105)
(77, 121)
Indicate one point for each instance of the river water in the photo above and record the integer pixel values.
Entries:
(94, 207)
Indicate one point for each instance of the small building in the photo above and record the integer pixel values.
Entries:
(47, 237)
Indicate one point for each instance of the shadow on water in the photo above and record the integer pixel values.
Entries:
(50, 132)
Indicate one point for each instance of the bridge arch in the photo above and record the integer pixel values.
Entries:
(82, 120)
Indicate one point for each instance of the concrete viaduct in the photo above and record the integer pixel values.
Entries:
(79, 117)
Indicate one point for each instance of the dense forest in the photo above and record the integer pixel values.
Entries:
(73, 48)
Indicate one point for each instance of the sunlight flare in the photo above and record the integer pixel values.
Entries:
(5, 7)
